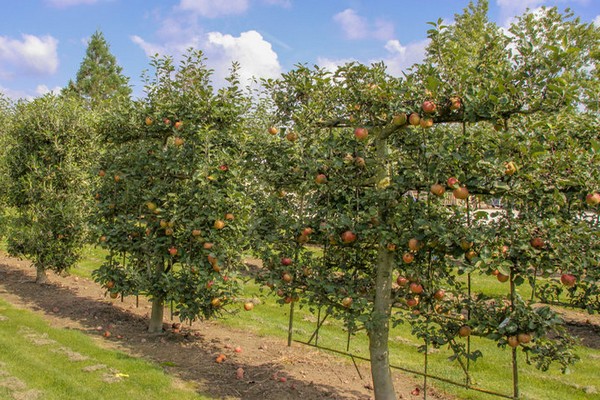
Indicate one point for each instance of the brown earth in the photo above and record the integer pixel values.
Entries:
(271, 369)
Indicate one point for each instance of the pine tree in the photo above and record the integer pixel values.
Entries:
(99, 77)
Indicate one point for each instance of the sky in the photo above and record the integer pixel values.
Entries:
(42, 42)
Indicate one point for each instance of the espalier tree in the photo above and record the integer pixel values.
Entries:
(50, 148)
(386, 175)
(171, 206)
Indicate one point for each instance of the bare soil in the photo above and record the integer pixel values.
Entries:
(271, 369)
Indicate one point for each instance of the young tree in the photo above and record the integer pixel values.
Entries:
(48, 162)
(99, 78)
(171, 205)
(361, 161)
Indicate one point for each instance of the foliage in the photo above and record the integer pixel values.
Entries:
(171, 206)
(48, 162)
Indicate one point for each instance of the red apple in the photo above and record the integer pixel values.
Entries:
(402, 281)
(412, 302)
(439, 294)
(428, 107)
(414, 244)
(593, 199)
(414, 119)
(502, 278)
(568, 280)
(173, 251)
(361, 133)
(348, 237)
(537, 242)
(437, 189)
(455, 103)
(464, 331)
(452, 182)
(461, 193)
(416, 288)
(248, 306)
(426, 122)
(399, 119)
(285, 261)
(307, 231)
(286, 277)
(512, 341)
(321, 179)
(178, 125)
(408, 257)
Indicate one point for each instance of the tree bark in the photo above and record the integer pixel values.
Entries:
(41, 278)
(380, 329)
(156, 317)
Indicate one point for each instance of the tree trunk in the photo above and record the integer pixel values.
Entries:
(380, 328)
(158, 302)
(41, 277)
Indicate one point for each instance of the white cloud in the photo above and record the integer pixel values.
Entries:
(400, 57)
(14, 94)
(69, 3)
(597, 21)
(33, 55)
(214, 8)
(512, 8)
(332, 65)
(357, 27)
(41, 90)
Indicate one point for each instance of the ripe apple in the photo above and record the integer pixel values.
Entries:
(426, 122)
(414, 244)
(461, 193)
(273, 130)
(391, 247)
(167, 121)
(524, 338)
(208, 245)
(173, 251)
(412, 301)
(178, 141)
(114, 295)
(428, 107)
(307, 231)
(302, 239)
(229, 217)
(212, 260)
(169, 231)
(163, 223)
(151, 205)
(568, 280)
(196, 232)
(437, 189)
(285, 261)
(103, 238)
(593, 199)
(470, 255)
(348, 237)
(439, 294)
(512, 341)
(219, 224)
(464, 331)
(178, 125)
(401, 281)
(502, 278)
(455, 103)
(321, 179)
(452, 182)
(291, 136)
(110, 284)
(465, 244)
(216, 302)
(537, 242)
(347, 302)
(101, 173)
(414, 119)
(360, 162)
(510, 168)
(117, 178)
(399, 119)
(106, 334)
(361, 133)
(416, 288)
(223, 167)
(248, 306)
(408, 257)
(149, 121)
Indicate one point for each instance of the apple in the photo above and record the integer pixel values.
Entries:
(103, 238)
(593, 199)
(399, 119)
(178, 125)
(216, 302)
(470, 255)
(223, 167)
(524, 338)
(391, 247)
(302, 239)
(149, 121)
(348, 237)
(361, 133)
(426, 122)
(101, 173)
(110, 284)
(321, 179)
(196, 232)
(219, 224)
(178, 141)
(273, 130)
(114, 295)
(173, 251)
(229, 217)
(167, 121)
(208, 245)
(291, 136)
(163, 223)
(307, 231)
(212, 260)
(568, 280)
(439, 294)
(452, 182)
(288, 300)
(347, 302)
(169, 231)
(465, 244)
(512, 341)
(537, 242)
(286, 261)
(428, 107)
(502, 278)
(248, 306)
(117, 178)
(412, 301)
(437, 189)
(510, 168)
(414, 119)
(408, 257)
(360, 162)
(464, 331)
(461, 193)
(455, 103)
(151, 205)
(401, 281)
(416, 288)
(414, 244)
(106, 334)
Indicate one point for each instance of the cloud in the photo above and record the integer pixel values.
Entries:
(332, 65)
(401, 57)
(32, 55)
(254, 54)
(511, 8)
(356, 27)
(597, 21)
(214, 8)
(41, 90)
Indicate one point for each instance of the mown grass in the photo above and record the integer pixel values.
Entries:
(493, 371)
(52, 362)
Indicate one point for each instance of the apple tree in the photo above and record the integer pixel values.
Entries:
(387, 176)
(171, 205)
(51, 144)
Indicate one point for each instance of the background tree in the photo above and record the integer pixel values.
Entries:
(99, 78)
(48, 161)
(171, 204)
(359, 163)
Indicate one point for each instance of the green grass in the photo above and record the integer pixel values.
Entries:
(36, 357)
(493, 371)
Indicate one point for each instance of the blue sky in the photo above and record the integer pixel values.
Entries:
(42, 42)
